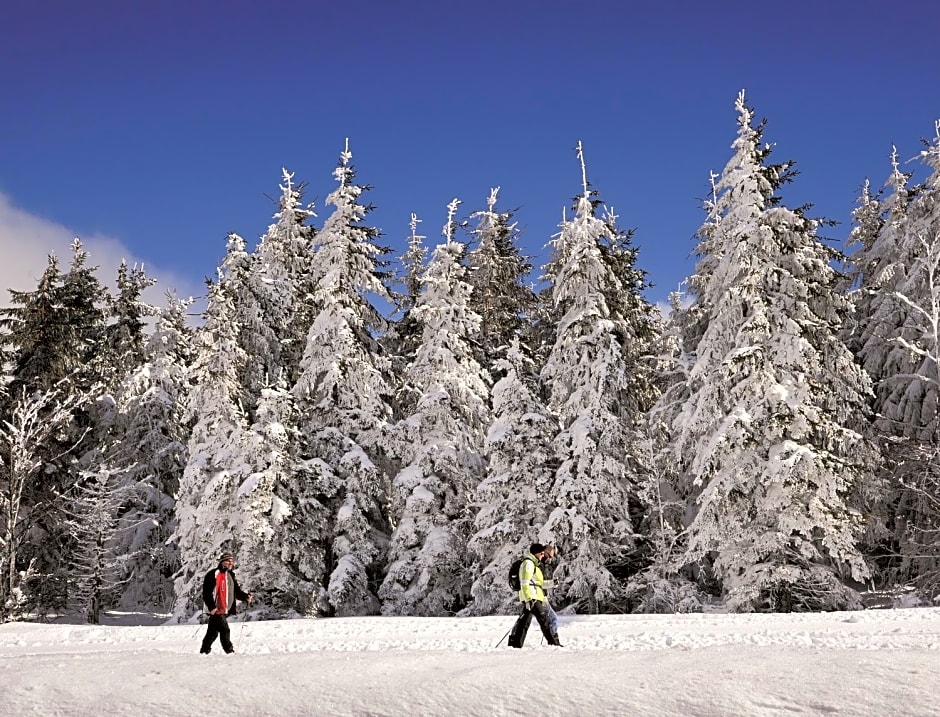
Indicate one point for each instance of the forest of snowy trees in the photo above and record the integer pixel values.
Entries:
(370, 441)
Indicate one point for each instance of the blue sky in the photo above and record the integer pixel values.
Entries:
(153, 129)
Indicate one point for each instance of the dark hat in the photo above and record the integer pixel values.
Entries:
(226, 556)
(536, 548)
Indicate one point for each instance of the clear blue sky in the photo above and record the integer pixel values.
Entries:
(163, 125)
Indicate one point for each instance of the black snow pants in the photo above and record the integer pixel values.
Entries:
(218, 627)
(542, 616)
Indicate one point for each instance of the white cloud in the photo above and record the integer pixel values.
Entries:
(27, 240)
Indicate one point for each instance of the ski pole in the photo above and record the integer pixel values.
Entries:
(198, 628)
(503, 638)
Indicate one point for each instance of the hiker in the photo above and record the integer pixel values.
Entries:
(220, 590)
(532, 597)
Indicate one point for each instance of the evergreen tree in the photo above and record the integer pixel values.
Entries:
(272, 290)
(343, 393)
(52, 339)
(510, 501)
(599, 387)
(284, 278)
(404, 336)
(266, 532)
(903, 354)
(125, 335)
(497, 271)
(428, 566)
(35, 334)
(217, 464)
(769, 458)
(150, 458)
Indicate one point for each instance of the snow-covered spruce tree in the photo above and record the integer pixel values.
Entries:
(284, 276)
(150, 459)
(272, 289)
(428, 572)
(344, 391)
(270, 563)
(404, 336)
(217, 464)
(878, 263)
(256, 340)
(497, 272)
(767, 452)
(661, 587)
(908, 400)
(510, 501)
(599, 385)
(125, 337)
(53, 334)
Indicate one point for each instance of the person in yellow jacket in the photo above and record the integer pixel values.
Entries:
(532, 597)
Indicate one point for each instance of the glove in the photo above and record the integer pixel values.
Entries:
(548, 584)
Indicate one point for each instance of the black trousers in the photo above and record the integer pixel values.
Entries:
(542, 616)
(218, 627)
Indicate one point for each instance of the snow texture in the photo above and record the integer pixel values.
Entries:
(875, 662)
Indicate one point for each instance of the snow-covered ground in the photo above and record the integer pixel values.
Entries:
(876, 662)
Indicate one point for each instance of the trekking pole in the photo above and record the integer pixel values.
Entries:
(503, 638)
(198, 628)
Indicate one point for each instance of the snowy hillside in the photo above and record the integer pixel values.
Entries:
(877, 662)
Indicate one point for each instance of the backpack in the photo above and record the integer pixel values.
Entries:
(514, 583)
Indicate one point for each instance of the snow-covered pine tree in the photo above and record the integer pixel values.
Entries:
(908, 400)
(661, 587)
(344, 391)
(267, 500)
(497, 272)
(55, 334)
(256, 340)
(871, 275)
(510, 501)
(877, 266)
(428, 572)
(404, 336)
(768, 454)
(599, 386)
(217, 464)
(119, 353)
(272, 288)
(35, 336)
(150, 459)
(125, 336)
(284, 277)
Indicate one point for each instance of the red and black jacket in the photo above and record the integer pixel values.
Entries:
(209, 584)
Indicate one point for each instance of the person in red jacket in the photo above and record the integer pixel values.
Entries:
(220, 590)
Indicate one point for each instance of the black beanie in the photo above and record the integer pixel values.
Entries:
(226, 556)
(536, 548)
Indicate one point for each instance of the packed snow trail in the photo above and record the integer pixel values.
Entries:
(862, 663)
